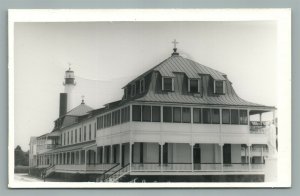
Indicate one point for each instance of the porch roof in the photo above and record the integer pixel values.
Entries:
(72, 147)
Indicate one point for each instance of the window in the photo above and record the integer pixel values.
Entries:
(113, 118)
(98, 122)
(95, 128)
(80, 139)
(215, 119)
(84, 133)
(133, 90)
(122, 115)
(71, 137)
(243, 117)
(104, 121)
(136, 113)
(225, 116)
(155, 113)
(234, 117)
(176, 114)
(197, 115)
(219, 87)
(146, 113)
(127, 113)
(167, 114)
(206, 116)
(118, 117)
(142, 85)
(194, 85)
(167, 84)
(64, 138)
(75, 135)
(186, 115)
(90, 132)
(109, 119)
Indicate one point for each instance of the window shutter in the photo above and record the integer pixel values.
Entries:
(189, 85)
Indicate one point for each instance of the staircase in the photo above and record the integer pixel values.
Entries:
(49, 170)
(114, 177)
(108, 172)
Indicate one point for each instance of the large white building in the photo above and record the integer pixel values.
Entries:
(179, 121)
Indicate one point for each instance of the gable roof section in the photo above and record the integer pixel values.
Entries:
(80, 110)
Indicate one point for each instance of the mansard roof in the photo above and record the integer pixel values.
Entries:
(193, 70)
(177, 63)
(229, 98)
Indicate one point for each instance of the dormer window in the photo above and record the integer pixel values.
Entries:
(142, 85)
(219, 87)
(168, 84)
(194, 85)
(133, 90)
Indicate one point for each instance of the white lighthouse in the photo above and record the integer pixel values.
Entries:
(69, 84)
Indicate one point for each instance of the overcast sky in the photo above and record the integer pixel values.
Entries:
(107, 55)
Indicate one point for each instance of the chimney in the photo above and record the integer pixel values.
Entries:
(63, 104)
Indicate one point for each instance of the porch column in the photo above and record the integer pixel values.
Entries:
(96, 156)
(221, 155)
(130, 155)
(103, 151)
(192, 156)
(249, 155)
(262, 155)
(120, 154)
(85, 156)
(111, 154)
(161, 156)
(248, 114)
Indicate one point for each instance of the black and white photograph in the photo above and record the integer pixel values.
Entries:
(149, 98)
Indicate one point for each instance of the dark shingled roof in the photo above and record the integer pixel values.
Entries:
(190, 68)
(229, 98)
(178, 64)
(80, 110)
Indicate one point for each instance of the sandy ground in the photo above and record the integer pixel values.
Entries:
(26, 178)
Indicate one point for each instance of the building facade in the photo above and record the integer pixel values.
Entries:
(179, 121)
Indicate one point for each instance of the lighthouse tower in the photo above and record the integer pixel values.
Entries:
(69, 84)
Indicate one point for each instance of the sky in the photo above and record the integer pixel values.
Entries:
(105, 56)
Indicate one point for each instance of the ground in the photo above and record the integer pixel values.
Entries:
(24, 177)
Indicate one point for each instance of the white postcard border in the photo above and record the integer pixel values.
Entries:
(281, 16)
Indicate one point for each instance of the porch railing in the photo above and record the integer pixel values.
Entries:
(85, 168)
(196, 167)
(257, 127)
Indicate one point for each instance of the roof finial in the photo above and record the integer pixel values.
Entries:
(82, 99)
(175, 49)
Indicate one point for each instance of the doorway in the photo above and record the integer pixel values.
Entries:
(197, 157)
(227, 154)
